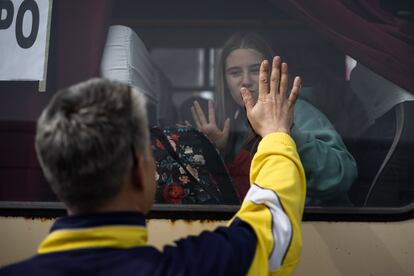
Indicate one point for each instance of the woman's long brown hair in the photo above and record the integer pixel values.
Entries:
(225, 104)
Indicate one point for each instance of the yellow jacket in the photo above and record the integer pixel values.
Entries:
(274, 204)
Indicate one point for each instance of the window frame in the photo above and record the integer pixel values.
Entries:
(218, 212)
(222, 212)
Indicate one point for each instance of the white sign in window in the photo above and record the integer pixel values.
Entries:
(24, 35)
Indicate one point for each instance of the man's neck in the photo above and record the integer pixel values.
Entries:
(114, 205)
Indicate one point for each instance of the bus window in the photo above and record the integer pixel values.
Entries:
(352, 125)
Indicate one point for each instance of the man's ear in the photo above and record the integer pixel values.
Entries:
(138, 172)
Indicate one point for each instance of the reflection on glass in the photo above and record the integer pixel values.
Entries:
(352, 128)
(184, 67)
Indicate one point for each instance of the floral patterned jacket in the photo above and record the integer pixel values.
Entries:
(189, 168)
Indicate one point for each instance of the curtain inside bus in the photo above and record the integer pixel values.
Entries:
(81, 29)
(363, 30)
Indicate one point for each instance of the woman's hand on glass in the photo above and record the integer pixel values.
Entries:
(273, 111)
(209, 127)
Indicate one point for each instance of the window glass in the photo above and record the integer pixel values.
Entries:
(184, 67)
(352, 126)
(213, 54)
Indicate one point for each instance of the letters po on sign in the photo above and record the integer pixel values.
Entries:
(24, 29)
(25, 7)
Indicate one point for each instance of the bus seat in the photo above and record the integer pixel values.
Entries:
(377, 95)
(126, 59)
(393, 182)
(383, 136)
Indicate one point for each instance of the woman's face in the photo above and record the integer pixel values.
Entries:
(242, 70)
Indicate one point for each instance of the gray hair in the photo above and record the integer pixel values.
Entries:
(86, 137)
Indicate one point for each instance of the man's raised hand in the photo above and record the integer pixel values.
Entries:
(273, 110)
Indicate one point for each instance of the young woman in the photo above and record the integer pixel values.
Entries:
(329, 167)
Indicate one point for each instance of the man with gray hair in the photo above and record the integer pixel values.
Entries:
(87, 140)
(93, 145)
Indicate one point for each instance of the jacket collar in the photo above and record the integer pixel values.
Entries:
(106, 230)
